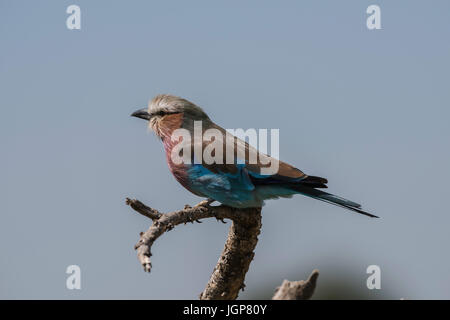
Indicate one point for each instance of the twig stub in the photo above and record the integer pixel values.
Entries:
(297, 290)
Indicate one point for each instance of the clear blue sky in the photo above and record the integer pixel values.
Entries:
(369, 110)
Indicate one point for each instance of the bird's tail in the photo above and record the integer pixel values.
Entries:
(331, 198)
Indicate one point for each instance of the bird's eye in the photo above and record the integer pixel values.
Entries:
(159, 113)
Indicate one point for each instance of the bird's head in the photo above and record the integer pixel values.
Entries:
(169, 112)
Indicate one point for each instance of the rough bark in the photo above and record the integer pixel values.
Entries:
(229, 274)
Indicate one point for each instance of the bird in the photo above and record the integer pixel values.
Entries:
(238, 183)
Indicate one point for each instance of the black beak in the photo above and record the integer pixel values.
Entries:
(141, 113)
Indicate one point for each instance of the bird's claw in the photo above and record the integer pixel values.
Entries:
(170, 226)
(221, 220)
(204, 203)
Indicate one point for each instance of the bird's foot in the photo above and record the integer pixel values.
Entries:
(205, 203)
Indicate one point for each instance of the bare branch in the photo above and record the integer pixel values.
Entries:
(297, 290)
(143, 209)
(229, 274)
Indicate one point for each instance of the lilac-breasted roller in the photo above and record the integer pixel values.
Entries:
(239, 183)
